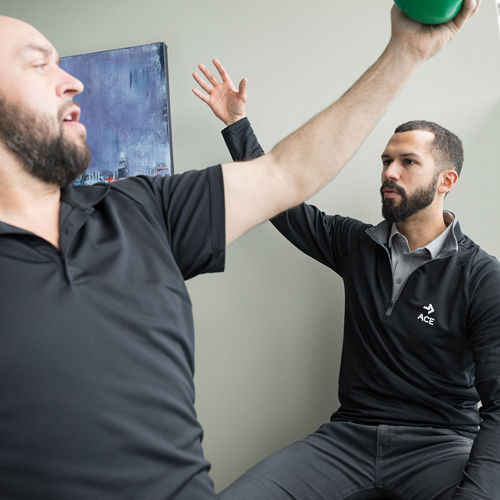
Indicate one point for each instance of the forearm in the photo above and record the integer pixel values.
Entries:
(482, 473)
(327, 141)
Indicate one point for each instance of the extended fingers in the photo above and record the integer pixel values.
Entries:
(201, 95)
(208, 74)
(222, 71)
(202, 83)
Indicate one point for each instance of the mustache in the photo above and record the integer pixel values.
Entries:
(392, 185)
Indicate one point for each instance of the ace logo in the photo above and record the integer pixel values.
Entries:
(426, 318)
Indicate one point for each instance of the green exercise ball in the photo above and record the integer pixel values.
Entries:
(430, 11)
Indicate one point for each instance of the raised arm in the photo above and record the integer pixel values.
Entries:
(261, 188)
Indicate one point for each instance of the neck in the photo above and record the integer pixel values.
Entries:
(423, 227)
(27, 202)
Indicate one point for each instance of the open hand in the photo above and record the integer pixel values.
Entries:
(227, 103)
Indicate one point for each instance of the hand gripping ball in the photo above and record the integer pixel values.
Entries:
(430, 11)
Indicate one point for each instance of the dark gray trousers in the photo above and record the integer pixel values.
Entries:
(343, 460)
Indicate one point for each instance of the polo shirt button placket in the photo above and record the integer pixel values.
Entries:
(69, 272)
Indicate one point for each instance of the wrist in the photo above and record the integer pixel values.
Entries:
(233, 119)
(404, 57)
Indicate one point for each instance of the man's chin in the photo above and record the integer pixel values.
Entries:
(75, 135)
(389, 214)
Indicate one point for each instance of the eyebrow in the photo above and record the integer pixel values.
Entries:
(44, 49)
(405, 155)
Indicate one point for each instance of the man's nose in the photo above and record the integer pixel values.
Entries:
(393, 171)
(68, 85)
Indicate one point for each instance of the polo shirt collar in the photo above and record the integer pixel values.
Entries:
(84, 197)
(76, 201)
(445, 244)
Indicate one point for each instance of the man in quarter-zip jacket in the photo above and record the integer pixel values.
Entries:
(421, 335)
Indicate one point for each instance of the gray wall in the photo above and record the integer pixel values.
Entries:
(269, 330)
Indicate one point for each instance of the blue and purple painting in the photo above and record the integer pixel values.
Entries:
(126, 110)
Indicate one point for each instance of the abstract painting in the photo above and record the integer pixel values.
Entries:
(126, 110)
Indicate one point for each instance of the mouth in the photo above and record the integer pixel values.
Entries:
(71, 117)
(389, 193)
(390, 189)
(72, 114)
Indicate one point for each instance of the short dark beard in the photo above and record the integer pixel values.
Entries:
(409, 205)
(46, 155)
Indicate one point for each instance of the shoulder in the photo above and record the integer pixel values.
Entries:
(307, 218)
(144, 190)
(482, 267)
(477, 256)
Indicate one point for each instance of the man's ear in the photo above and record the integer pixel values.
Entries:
(447, 179)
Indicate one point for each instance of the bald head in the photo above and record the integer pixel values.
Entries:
(14, 31)
(18, 40)
(29, 65)
(11, 21)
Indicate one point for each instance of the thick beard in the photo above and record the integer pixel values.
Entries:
(409, 205)
(46, 155)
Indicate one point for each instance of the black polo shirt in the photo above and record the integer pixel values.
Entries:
(96, 357)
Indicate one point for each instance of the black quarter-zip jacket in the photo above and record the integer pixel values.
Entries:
(424, 359)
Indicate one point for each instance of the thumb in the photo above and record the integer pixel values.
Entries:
(243, 90)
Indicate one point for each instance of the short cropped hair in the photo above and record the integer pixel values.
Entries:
(447, 146)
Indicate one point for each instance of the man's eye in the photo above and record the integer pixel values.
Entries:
(409, 162)
(40, 67)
